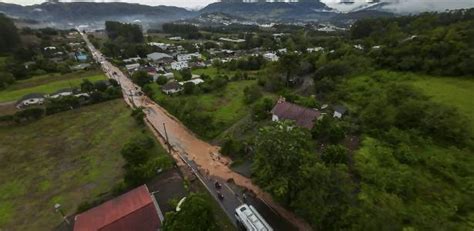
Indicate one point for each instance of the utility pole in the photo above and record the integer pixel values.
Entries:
(167, 139)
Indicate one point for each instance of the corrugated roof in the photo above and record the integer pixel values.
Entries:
(131, 211)
(303, 117)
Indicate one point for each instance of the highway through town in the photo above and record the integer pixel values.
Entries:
(202, 158)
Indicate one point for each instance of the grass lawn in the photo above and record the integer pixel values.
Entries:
(64, 158)
(46, 84)
(457, 92)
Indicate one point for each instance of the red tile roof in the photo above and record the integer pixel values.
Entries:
(303, 117)
(134, 210)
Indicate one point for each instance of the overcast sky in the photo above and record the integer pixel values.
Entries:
(404, 6)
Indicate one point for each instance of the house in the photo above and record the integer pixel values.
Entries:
(314, 49)
(339, 111)
(169, 75)
(179, 65)
(271, 57)
(171, 88)
(81, 57)
(158, 57)
(188, 57)
(196, 81)
(232, 40)
(302, 116)
(81, 66)
(49, 48)
(30, 99)
(132, 67)
(177, 38)
(132, 60)
(61, 93)
(163, 46)
(134, 210)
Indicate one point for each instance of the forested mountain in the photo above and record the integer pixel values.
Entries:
(307, 10)
(83, 12)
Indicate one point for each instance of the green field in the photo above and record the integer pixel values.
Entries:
(46, 84)
(65, 158)
(457, 92)
(225, 106)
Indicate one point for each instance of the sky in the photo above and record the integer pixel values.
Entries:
(403, 6)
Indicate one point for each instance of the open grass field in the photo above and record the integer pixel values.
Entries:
(65, 158)
(47, 84)
(457, 92)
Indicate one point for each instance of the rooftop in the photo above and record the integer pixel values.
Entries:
(134, 210)
(303, 117)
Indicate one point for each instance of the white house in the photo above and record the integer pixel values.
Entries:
(163, 46)
(271, 57)
(177, 38)
(314, 49)
(132, 60)
(30, 99)
(132, 67)
(61, 93)
(232, 40)
(188, 57)
(196, 81)
(179, 65)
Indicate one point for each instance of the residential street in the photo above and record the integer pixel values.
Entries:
(201, 157)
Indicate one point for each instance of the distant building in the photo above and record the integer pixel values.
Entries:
(132, 60)
(157, 57)
(196, 81)
(134, 210)
(177, 38)
(271, 57)
(339, 111)
(179, 65)
(81, 57)
(188, 57)
(302, 116)
(132, 67)
(61, 93)
(171, 88)
(232, 40)
(30, 100)
(314, 49)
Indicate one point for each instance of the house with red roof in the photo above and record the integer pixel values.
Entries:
(134, 210)
(302, 116)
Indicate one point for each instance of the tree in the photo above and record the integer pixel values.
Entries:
(87, 86)
(335, 154)
(9, 38)
(328, 129)
(261, 110)
(138, 115)
(195, 214)
(252, 93)
(161, 80)
(289, 63)
(282, 149)
(188, 88)
(6, 79)
(186, 74)
(141, 78)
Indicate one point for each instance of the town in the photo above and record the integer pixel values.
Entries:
(219, 123)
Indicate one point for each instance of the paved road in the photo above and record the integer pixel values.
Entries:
(201, 157)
